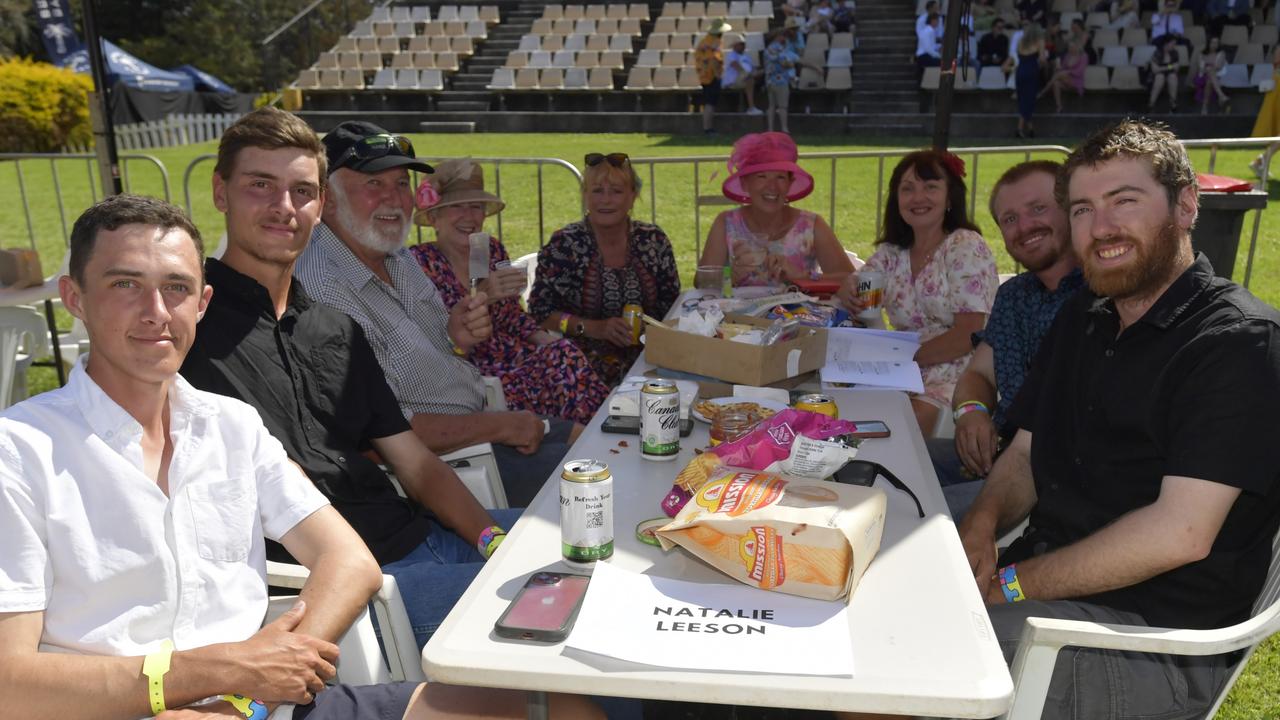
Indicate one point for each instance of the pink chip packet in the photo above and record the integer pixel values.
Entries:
(768, 443)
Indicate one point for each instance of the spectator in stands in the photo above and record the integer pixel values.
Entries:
(1037, 236)
(929, 43)
(309, 372)
(1080, 34)
(709, 61)
(845, 16)
(1267, 124)
(739, 72)
(820, 17)
(136, 509)
(984, 15)
(930, 8)
(993, 48)
(1212, 62)
(590, 269)
(796, 8)
(1221, 13)
(1168, 23)
(540, 372)
(1164, 74)
(1031, 56)
(1068, 73)
(940, 278)
(1036, 11)
(766, 241)
(780, 62)
(1124, 14)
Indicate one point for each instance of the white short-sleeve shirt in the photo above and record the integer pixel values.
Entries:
(115, 564)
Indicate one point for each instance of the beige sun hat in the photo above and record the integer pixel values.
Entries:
(719, 26)
(733, 38)
(454, 182)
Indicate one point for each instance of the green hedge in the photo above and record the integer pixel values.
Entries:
(42, 108)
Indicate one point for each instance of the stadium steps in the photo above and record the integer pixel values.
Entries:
(885, 98)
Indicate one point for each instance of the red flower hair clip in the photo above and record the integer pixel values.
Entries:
(953, 163)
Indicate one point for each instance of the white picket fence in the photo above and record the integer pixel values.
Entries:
(172, 131)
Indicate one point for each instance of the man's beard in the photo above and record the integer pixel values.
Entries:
(365, 232)
(1035, 262)
(1155, 265)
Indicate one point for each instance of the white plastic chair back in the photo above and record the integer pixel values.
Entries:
(21, 329)
(360, 658)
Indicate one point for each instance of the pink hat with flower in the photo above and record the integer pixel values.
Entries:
(762, 152)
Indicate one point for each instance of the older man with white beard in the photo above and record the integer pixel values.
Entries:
(357, 263)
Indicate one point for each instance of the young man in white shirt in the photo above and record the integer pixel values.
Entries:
(133, 510)
(739, 72)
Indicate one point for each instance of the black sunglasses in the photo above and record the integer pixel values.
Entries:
(376, 146)
(617, 160)
(865, 472)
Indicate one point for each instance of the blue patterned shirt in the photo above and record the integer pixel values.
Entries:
(1021, 316)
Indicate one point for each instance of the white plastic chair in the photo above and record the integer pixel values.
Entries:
(360, 660)
(23, 337)
(1042, 638)
(488, 488)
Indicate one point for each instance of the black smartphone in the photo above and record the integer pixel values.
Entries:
(870, 429)
(630, 425)
(545, 608)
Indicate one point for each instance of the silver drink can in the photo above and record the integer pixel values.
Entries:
(659, 420)
(586, 511)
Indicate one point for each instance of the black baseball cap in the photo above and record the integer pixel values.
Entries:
(339, 142)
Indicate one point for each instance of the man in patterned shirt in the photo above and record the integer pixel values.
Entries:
(709, 61)
(357, 264)
(1036, 235)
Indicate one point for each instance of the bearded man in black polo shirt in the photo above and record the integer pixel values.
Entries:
(1142, 456)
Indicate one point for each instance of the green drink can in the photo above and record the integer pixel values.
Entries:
(586, 511)
(659, 420)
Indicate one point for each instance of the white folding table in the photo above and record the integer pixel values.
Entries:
(921, 639)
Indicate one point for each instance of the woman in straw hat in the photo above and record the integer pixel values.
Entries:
(590, 269)
(766, 241)
(539, 372)
(939, 276)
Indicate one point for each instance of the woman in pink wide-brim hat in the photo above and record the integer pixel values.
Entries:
(766, 241)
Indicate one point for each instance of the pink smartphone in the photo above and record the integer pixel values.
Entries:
(545, 608)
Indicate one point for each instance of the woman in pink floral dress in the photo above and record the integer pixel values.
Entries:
(539, 373)
(940, 277)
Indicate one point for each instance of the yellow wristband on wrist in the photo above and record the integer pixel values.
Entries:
(564, 323)
(154, 666)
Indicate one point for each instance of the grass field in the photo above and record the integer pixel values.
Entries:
(673, 187)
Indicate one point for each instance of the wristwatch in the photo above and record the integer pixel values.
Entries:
(580, 328)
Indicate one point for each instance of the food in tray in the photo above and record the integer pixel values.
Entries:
(709, 409)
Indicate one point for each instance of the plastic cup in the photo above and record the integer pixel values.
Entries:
(709, 277)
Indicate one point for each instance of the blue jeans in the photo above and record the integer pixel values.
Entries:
(524, 475)
(436, 573)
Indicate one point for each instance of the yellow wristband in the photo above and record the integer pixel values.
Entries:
(564, 323)
(457, 350)
(154, 666)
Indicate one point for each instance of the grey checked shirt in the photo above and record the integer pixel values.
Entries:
(407, 324)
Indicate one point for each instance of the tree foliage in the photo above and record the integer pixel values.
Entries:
(42, 108)
(16, 28)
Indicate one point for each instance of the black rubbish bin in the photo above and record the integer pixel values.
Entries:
(1217, 230)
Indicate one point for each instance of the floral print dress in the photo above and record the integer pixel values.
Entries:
(554, 380)
(748, 252)
(573, 278)
(960, 277)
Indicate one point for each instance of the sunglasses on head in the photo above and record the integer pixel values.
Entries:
(376, 146)
(617, 160)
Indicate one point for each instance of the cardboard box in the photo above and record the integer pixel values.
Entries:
(20, 268)
(732, 361)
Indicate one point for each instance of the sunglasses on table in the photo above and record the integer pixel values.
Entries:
(617, 160)
(376, 146)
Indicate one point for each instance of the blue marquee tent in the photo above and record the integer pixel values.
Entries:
(125, 68)
(203, 80)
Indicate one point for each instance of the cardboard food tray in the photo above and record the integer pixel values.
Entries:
(735, 362)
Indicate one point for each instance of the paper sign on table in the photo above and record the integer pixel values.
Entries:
(879, 358)
(678, 624)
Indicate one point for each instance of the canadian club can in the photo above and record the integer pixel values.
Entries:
(659, 420)
(586, 511)
(818, 403)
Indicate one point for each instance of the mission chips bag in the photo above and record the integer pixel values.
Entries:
(802, 537)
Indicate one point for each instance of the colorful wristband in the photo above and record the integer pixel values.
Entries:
(490, 539)
(247, 706)
(154, 666)
(969, 406)
(564, 323)
(1009, 584)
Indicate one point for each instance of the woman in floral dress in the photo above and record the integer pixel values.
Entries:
(590, 269)
(539, 373)
(940, 277)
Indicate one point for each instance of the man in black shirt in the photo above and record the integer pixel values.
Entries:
(313, 378)
(993, 48)
(1142, 458)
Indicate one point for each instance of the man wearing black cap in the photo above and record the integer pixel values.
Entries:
(357, 264)
(313, 378)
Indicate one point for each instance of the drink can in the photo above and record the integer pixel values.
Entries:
(818, 403)
(659, 420)
(871, 288)
(586, 511)
(632, 313)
